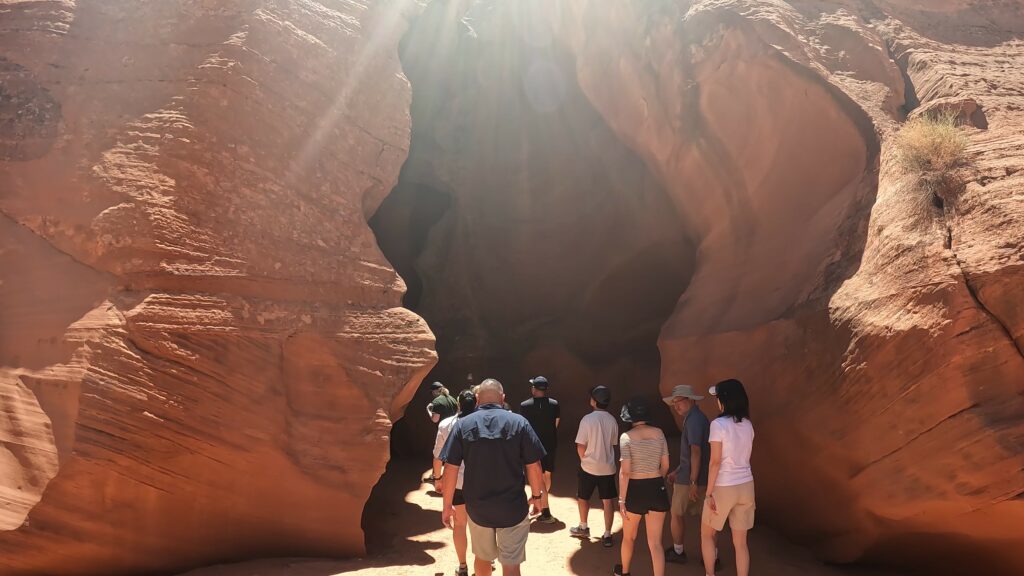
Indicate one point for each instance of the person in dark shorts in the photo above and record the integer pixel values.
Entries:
(443, 405)
(644, 463)
(502, 455)
(595, 443)
(543, 414)
(467, 404)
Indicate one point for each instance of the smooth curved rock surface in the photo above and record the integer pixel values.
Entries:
(201, 348)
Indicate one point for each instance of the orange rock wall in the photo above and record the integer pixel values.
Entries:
(201, 347)
(877, 327)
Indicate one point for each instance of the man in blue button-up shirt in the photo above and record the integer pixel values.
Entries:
(501, 453)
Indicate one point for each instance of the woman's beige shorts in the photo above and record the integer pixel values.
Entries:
(735, 504)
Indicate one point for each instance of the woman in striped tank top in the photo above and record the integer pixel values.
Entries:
(644, 457)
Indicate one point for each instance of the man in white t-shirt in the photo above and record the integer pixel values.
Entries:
(595, 443)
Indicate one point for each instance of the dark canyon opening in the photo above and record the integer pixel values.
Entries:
(531, 239)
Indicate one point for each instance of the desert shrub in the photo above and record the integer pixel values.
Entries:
(933, 148)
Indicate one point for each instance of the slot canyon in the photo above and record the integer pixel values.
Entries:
(239, 238)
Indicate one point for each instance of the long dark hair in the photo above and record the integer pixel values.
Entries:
(467, 402)
(734, 400)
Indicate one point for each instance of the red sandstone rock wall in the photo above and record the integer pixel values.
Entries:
(201, 347)
(878, 328)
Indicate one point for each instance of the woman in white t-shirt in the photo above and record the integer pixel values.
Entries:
(730, 481)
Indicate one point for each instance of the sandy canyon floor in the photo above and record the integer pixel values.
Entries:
(406, 539)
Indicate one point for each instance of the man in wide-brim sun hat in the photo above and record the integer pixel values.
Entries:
(690, 480)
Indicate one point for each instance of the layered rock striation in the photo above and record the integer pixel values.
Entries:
(202, 349)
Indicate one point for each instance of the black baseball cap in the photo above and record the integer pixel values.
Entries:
(436, 386)
(601, 395)
(539, 382)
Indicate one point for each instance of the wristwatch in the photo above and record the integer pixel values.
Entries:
(535, 497)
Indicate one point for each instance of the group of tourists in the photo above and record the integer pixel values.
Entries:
(485, 456)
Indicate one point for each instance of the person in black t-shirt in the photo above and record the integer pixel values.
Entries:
(543, 414)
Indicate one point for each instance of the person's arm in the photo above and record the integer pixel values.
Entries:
(451, 455)
(558, 415)
(695, 459)
(716, 463)
(663, 464)
(532, 451)
(437, 465)
(438, 472)
(624, 469)
(447, 509)
(581, 440)
(623, 484)
(535, 477)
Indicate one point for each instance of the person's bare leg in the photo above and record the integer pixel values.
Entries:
(630, 526)
(678, 527)
(707, 547)
(739, 542)
(481, 567)
(609, 515)
(584, 506)
(510, 570)
(459, 538)
(547, 488)
(655, 523)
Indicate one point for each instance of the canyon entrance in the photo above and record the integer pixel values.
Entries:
(238, 240)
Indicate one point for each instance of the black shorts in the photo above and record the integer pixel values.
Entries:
(647, 495)
(459, 498)
(605, 485)
(547, 463)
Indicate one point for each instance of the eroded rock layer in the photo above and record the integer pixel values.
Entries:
(201, 346)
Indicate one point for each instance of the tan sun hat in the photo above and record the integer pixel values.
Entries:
(684, 391)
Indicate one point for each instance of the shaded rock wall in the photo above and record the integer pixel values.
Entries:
(201, 347)
(550, 247)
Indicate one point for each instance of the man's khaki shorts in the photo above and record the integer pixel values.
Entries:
(734, 503)
(506, 545)
(681, 503)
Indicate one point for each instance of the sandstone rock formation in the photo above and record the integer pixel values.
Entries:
(879, 327)
(201, 347)
(877, 324)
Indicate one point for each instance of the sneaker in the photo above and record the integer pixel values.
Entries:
(617, 571)
(462, 571)
(606, 541)
(673, 557)
(547, 518)
(578, 532)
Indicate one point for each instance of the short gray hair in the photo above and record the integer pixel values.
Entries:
(490, 390)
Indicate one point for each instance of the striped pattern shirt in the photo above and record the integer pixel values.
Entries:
(644, 454)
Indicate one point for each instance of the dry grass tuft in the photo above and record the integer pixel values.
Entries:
(933, 148)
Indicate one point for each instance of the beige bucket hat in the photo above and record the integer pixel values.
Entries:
(684, 391)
